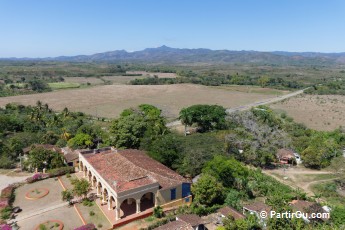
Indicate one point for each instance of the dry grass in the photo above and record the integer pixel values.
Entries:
(151, 74)
(111, 100)
(323, 112)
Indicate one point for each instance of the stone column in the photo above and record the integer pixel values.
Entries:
(117, 213)
(110, 204)
(98, 189)
(104, 197)
(138, 205)
(155, 200)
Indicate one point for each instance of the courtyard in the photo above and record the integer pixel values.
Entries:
(41, 202)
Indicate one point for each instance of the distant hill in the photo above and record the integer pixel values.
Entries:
(167, 55)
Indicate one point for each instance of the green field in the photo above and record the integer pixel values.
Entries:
(63, 85)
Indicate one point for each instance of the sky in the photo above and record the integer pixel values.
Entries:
(46, 28)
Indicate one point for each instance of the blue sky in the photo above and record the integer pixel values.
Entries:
(40, 28)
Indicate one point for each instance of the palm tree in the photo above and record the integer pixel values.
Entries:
(65, 135)
(186, 119)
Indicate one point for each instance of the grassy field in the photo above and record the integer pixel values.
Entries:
(63, 85)
(320, 112)
(253, 89)
(110, 100)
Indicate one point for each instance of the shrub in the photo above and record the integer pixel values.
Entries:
(92, 213)
(34, 178)
(100, 225)
(158, 212)
(7, 192)
(87, 202)
(5, 227)
(60, 171)
(42, 227)
(86, 227)
(159, 223)
(3, 202)
(6, 213)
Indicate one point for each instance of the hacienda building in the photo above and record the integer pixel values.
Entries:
(130, 182)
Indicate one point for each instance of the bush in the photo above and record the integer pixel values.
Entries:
(34, 178)
(86, 227)
(6, 213)
(4, 202)
(60, 171)
(5, 227)
(159, 223)
(7, 192)
(92, 213)
(158, 212)
(87, 202)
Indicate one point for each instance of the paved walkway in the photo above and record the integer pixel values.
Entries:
(39, 212)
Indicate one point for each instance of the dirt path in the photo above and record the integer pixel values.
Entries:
(295, 176)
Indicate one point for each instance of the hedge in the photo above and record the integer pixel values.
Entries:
(60, 171)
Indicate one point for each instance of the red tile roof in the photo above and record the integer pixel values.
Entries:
(228, 211)
(301, 205)
(191, 219)
(257, 207)
(285, 154)
(129, 169)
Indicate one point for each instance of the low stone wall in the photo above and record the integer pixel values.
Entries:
(183, 201)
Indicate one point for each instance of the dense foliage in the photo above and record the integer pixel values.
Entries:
(256, 136)
(22, 126)
(332, 87)
(137, 125)
(206, 117)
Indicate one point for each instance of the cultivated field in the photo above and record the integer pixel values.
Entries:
(111, 100)
(320, 112)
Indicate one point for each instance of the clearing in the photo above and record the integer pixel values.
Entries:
(320, 112)
(110, 100)
(300, 177)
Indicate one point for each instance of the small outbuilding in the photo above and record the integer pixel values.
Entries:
(286, 156)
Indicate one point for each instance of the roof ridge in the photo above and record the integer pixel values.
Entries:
(150, 172)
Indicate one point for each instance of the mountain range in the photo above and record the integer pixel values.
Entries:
(168, 55)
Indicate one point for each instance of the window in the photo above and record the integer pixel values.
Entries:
(185, 189)
(173, 194)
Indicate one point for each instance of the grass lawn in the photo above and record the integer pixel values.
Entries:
(63, 85)
(67, 181)
(94, 215)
